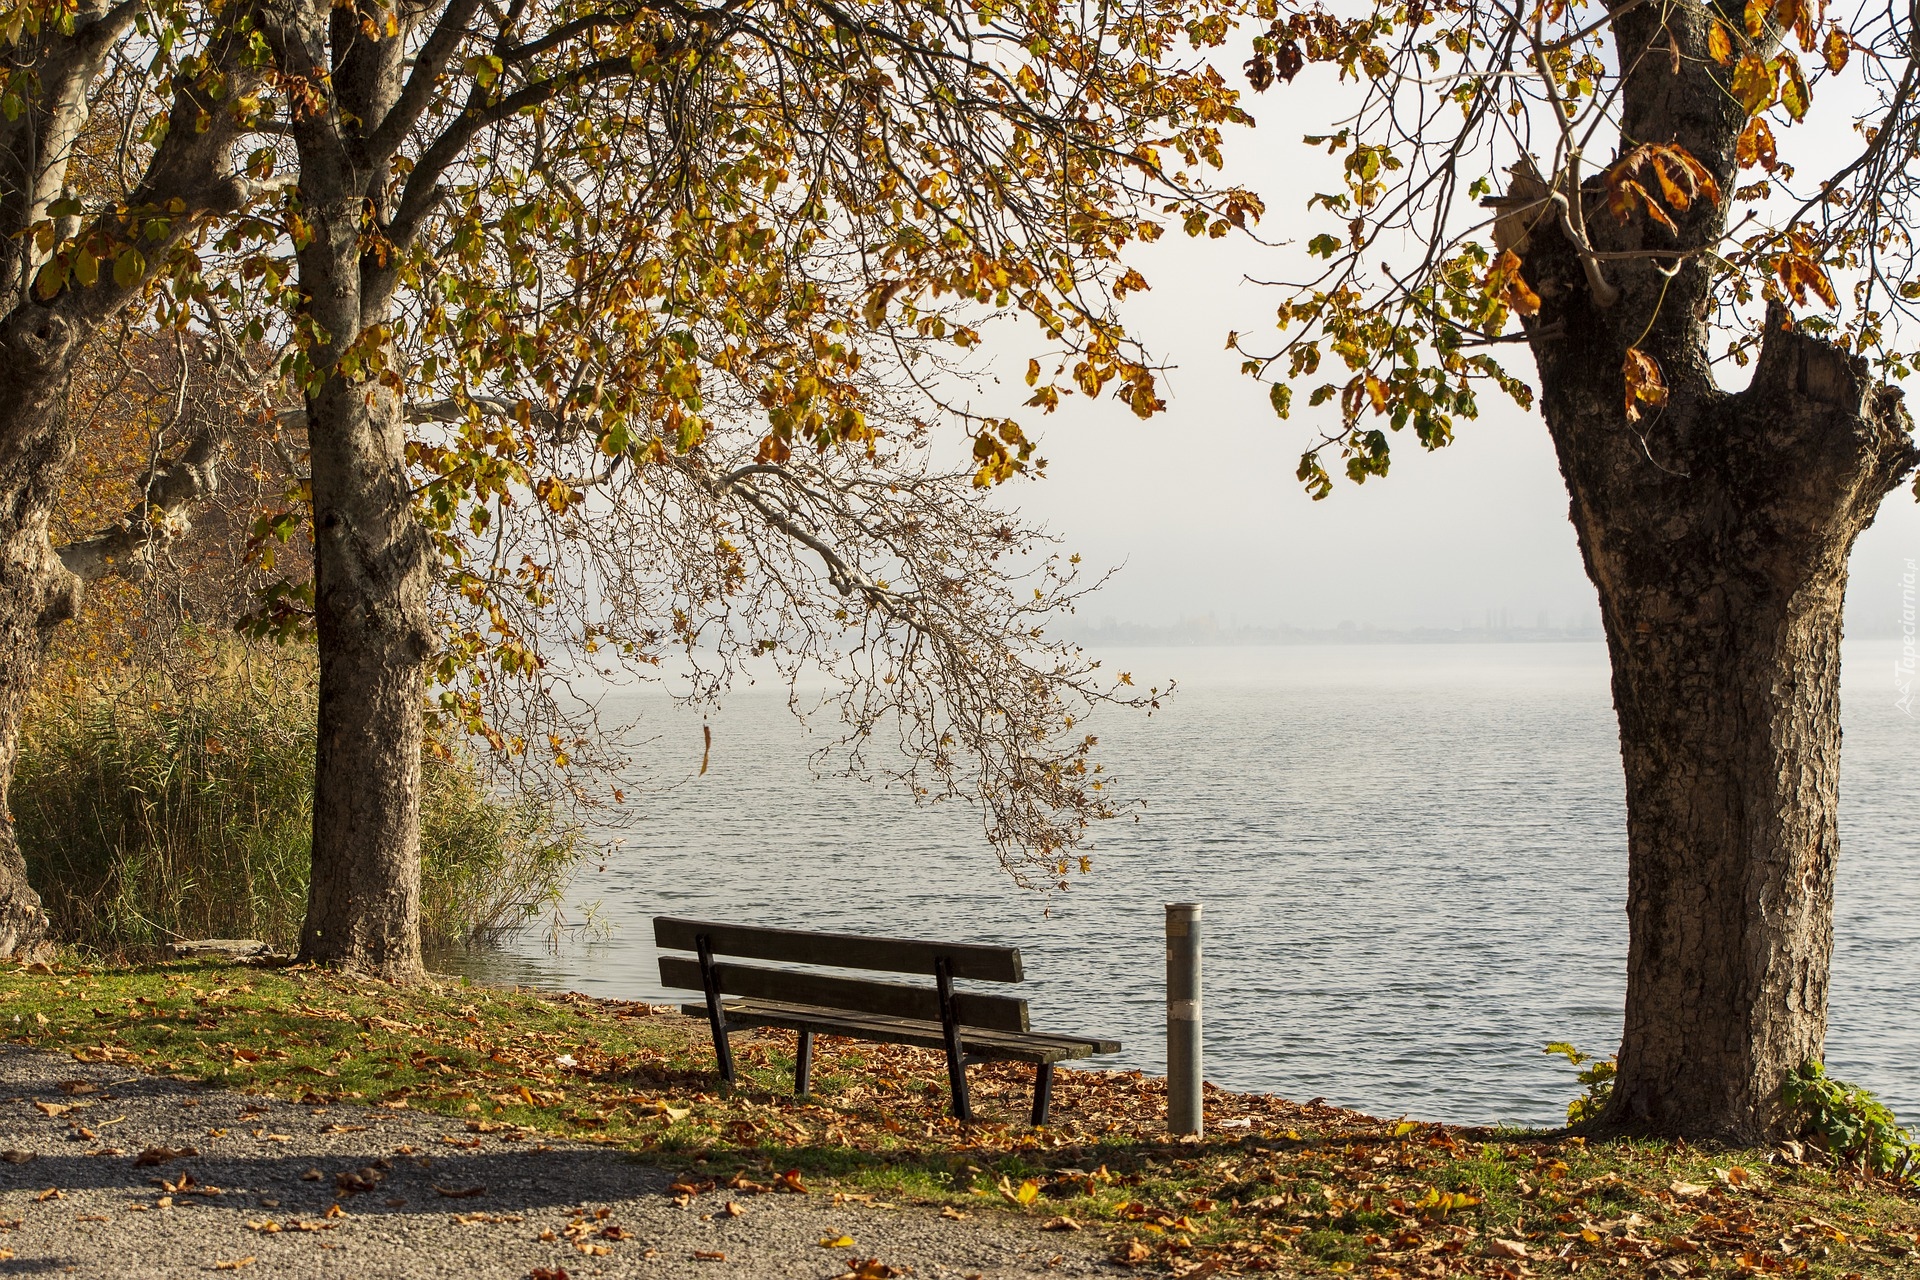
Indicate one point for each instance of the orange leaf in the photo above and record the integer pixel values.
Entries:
(1756, 146)
(1719, 44)
(1645, 385)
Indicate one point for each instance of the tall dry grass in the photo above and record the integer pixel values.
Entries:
(162, 807)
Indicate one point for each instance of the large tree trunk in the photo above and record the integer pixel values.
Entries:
(1720, 554)
(1716, 528)
(36, 590)
(375, 636)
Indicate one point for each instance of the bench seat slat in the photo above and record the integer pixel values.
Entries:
(968, 960)
(979, 1042)
(789, 986)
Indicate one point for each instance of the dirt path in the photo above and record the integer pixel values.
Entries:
(75, 1198)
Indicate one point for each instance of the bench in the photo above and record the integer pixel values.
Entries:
(969, 1026)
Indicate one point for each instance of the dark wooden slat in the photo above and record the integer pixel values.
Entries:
(969, 960)
(979, 1042)
(1003, 1013)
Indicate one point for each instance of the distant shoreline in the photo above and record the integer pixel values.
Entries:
(1196, 635)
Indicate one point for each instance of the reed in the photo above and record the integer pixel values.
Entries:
(160, 807)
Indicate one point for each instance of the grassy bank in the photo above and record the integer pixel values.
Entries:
(1276, 1185)
(152, 807)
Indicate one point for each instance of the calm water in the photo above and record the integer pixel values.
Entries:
(1412, 860)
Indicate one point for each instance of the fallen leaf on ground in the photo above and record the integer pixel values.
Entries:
(549, 1273)
(235, 1264)
(160, 1155)
(312, 1175)
(459, 1193)
(1507, 1248)
(790, 1181)
(836, 1242)
(954, 1214)
(707, 1255)
(51, 1193)
(359, 1182)
(16, 1157)
(266, 1227)
(73, 1088)
(1061, 1223)
(869, 1269)
(733, 1210)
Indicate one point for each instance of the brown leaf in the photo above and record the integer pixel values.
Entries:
(1644, 386)
(459, 1193)
(356, 1183)
(235, 1264)
(790, 1181)
(16, 1157)
(1507, 1248)
(733, 1210)
(708, 1255)
(160, 1155)
(869, 1269)
(1062, 1223)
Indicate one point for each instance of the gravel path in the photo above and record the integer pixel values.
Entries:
(77, 1198)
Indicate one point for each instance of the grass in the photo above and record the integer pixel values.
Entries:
(1276, 1185)
(152, 808)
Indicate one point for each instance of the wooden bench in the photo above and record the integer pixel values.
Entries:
(970, 1027)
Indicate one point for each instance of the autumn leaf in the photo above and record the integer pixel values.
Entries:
(1837, 49)
(1645, 385)
(1719, 44)
(1794, 95)
(1026, 1193)
(1752, 85)
(1755, 146)
(836, 1242)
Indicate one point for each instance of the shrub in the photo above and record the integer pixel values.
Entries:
(167, 807)
(1596, 1074)
(1855, 1127)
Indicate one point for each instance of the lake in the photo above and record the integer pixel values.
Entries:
(1412, 860)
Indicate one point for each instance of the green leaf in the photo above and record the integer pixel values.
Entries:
(128, 268)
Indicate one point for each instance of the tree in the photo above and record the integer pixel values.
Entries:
(92, 217)
(689, 271)
(1714, 521)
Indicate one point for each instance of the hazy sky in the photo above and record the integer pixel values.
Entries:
(1201, 507)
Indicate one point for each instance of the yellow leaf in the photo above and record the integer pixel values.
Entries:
(836, 1242)
(1837, 49)
(1752, 84)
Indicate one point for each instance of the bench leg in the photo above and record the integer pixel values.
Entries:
(803, 1066)
(716, 1015)
(956, 1057)
(1042, 1092)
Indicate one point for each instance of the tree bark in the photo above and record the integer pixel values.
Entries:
(375, 634)
(36, 590)
(1718, 543)
(1716, 529)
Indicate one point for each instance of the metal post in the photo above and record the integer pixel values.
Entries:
(1184, 1116)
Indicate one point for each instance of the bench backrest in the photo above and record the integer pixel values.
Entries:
(844, 951)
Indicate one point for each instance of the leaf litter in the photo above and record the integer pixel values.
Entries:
(1277, 1186)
